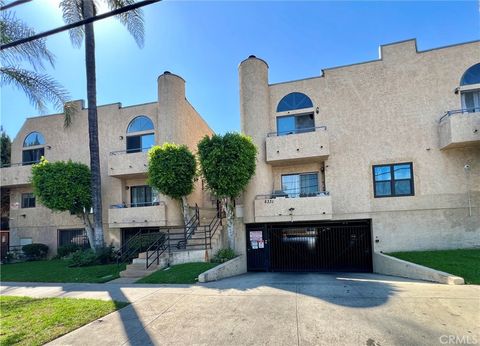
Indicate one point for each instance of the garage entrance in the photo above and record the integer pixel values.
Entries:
(302, 247)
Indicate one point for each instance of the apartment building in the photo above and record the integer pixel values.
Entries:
(125, 135)
(377, 156)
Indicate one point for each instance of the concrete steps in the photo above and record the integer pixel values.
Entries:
(137, 268)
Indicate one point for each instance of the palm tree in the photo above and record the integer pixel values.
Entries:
(39, 87)
(73, 11)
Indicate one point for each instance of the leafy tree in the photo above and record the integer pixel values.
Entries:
(73, 11)
(64, 186)
(228, 163)
(39, 87)
(5, 147)
(171, 170)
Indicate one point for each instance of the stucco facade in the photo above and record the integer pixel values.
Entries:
(385, 111)
(174, 120)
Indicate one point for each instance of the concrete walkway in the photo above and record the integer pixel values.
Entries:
(276, 309)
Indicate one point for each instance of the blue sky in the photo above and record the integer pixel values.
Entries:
(205, 41)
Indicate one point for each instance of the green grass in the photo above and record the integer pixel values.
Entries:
(462, 262)
(33, 321)
(57, 271)
(178, 274)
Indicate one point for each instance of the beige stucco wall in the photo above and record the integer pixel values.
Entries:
(174, 119)
(383, 111)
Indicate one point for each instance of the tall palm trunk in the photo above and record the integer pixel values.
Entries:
(88, 11)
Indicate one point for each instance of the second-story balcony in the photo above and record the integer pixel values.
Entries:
(151, 214)
(127, 164)
(303, 145)
(287, 208)
(16, 174)
(460, 128)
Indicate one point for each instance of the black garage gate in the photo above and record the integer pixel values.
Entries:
(303, 247)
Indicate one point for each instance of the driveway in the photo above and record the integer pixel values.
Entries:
(277, 309)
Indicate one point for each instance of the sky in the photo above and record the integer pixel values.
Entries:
(205, 41)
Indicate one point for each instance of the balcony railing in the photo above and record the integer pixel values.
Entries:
(296, 131)
(282, 207)
(136, 205)
(127, 163)
(143, 214)
(16, 174)
(284, 194)
(459, 111)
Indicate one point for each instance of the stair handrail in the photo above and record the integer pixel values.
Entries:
(124, 247)
(126, 253)
(157, 248)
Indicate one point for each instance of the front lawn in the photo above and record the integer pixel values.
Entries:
(462, 262)
(178, 274)
(58, 271)
(33, 321)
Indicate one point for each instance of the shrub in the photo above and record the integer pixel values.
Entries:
(66, 250)
(83, 258)
(35, 251)
(223, 255)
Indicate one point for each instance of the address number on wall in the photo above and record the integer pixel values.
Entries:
(269, 201)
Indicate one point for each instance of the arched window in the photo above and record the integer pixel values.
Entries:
(294, 101)
(30, 156)
(140, 136)
(471, 97)
(295, 122)
(471, 76)
(140, 123)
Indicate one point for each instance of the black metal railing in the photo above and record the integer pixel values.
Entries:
(459, 111)
(279, 194)
(130, 151)
(136, 244)
(296, 131)
(18, 164)
(136, 205)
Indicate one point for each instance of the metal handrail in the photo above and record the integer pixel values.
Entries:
(16, 164)
(130, 151)
(296, 131)
(136, 205)
(125, 253)
(459, 111)
(287, 195)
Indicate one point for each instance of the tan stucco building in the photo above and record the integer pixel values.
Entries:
(125, 134)
(389, 146)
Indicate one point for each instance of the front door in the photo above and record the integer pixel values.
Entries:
(257, 248)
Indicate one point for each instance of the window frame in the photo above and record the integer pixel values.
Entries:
(316, 174)
(142, 204)
(296, 131)
(393, 180)
(28, 205)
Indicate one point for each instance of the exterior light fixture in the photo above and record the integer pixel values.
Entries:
(121, 138)
(317, 110)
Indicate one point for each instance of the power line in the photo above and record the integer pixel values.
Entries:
(13, 4)
(79, 23)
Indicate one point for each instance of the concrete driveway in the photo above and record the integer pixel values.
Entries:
(278, 309)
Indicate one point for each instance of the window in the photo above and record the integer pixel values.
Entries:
(28, 200)
(73, 236)
(33, 139)
(25, 241)
(393, 180)
(300, 185)
(140, 142)
(31, 156)
(471, 76)
(292, 124)
(294, 101)
(141, 196)
(471, 101)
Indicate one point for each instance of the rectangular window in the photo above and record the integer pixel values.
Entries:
(141, 196)
(292, 124)
(471, 101)
(141, 143)
(28, 200)
(31, 156)
(73, 236)
(300, 185)
(393, 180)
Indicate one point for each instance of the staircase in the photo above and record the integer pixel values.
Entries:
(194, 242)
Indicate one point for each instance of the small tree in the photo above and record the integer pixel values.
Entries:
(65, 186)
(5, 147)
(171, 170)
(228, 163)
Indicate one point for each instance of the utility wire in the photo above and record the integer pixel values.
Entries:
(13, 4)
(79, 23)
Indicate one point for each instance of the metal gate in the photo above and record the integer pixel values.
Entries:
(332, 246)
